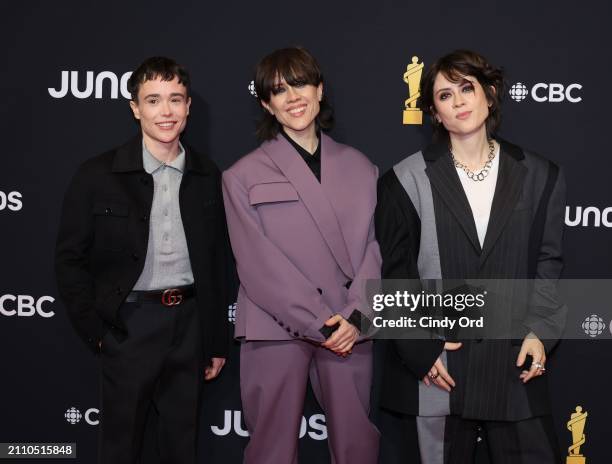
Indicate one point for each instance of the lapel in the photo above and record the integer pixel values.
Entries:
(510, 179)
(444, 179)
(312, 193)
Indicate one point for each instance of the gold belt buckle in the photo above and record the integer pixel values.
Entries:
(172, 297)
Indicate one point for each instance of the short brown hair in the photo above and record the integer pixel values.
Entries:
(157, 66)
(298, 67)
(455, 66)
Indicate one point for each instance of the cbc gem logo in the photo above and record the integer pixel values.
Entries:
(519, 92)
(231, 313)
(252, 90)
(546, 92)
(593, 325)
(73, 416)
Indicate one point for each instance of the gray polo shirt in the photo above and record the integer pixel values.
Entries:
(167, 263)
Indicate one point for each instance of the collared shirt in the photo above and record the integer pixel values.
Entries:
(167, 263)
(313, 161)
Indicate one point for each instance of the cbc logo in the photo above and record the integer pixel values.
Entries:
(71, 82)
(314, 426)
(26, 305)
(593, 325)
(252, 90)
(73, 416)
(231, 313)
(11, 201)
(588, 216)
(542, 92)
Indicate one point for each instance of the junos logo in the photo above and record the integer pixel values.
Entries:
(231, 313)
(73, 416)
(11, 201)
(543, 92)
(314, 426)
(587, 216)
(70, 81)
(26, 306)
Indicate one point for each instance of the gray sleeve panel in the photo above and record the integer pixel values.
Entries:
(410, 172)
(412, 176)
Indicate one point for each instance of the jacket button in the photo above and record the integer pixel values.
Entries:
(281, 323)
(119, 291)
(108, 210)
(288, 329)
(144, 218)
(320, 291)
(295, 334)
(135, 257)
(274, 317)
(348, 284)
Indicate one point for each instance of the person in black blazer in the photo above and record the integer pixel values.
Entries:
(472, 205)
(141, 260)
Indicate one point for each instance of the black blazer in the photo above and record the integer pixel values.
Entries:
(103, 236)
(523, 241)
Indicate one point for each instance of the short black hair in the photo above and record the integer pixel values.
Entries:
(157, 67)
(298, 67)
(455, 66)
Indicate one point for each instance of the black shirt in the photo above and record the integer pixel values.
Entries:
(312, 161)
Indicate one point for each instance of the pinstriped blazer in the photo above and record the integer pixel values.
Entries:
(425, 229)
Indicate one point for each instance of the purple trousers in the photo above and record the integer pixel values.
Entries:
(273, 382)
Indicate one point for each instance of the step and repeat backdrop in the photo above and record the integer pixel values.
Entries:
(64, 99)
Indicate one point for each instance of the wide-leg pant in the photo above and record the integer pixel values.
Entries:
(452, 440)
(273, 382)
(158, 365)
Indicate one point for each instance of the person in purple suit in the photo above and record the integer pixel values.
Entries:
(300, 216)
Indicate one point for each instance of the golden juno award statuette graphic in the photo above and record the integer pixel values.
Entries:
(412, 77)
(576, 426)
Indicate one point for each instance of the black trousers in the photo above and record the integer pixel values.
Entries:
(530, 441)
(158, 366)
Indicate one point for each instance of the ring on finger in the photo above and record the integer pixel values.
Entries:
(433, 376)
(537, 365)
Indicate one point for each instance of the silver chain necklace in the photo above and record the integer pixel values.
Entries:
(484, 172)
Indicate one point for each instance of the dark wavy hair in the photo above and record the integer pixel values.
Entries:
(455, 66)
(157, 66)
(298, 67)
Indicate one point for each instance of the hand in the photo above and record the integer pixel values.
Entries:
(213, 370)
(344, 337)
(531, 346)
(438, 375)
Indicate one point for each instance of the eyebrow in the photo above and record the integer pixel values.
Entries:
(157, 95)
(463, 81)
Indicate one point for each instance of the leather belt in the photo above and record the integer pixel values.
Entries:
(168, 297)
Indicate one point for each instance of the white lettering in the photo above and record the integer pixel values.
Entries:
(568, 93)
(74, 84)
(555, 93)
(113, 80)
(89, 413)
(63, 91)
(534, 94)
(596, 215)
(577, 218)
(3, 310)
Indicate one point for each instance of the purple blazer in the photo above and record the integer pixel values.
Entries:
(299, 243)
